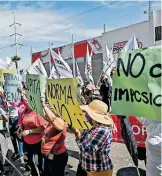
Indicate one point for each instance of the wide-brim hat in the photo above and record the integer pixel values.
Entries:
(97, 110)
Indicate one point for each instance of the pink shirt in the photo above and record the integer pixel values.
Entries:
(32, 120)
(22, 107)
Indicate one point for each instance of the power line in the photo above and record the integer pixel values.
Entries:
(73, 16)
(5, 46)
(77, 26)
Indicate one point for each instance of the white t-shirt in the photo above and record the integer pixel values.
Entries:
(153, 146)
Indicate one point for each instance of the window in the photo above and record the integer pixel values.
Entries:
(157, 33)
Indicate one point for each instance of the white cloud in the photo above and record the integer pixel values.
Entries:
(53, 24)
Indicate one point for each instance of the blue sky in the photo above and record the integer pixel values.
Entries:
(56, 21)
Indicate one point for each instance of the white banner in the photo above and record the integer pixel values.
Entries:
(88, 67)
(61, 66)
(37, 68)
(131, 44)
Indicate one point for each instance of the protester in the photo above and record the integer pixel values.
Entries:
(13, 122)
(106, 90)
(95, 143)
(53, 144)
(33, 128)
(153, 146)
(3, 135)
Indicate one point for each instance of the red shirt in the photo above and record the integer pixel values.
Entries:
(59, 146)
(32, 120)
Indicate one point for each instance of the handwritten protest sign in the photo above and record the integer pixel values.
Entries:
(12, 83)
(35, 87)
(5, 70)
(61, 95)
(137, 84)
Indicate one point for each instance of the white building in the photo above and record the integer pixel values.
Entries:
(148, 33)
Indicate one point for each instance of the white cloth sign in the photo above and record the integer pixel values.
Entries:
(131, 44)
(37, 68)
(61, 66)
(78, 74)
(54, 74)
(88, 67)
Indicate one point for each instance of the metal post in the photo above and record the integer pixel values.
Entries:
(50, 57)
(73, 56)
(15, 34)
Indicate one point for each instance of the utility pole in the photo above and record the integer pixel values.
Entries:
(15, 34)
(149, 10)
(50, 65)
(104, 28)
(73, 56)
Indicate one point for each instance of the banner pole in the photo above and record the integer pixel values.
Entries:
(73, 56)
(50, 57)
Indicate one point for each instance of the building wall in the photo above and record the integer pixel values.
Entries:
(144, 32)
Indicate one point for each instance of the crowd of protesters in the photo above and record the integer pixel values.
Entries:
(44, 136)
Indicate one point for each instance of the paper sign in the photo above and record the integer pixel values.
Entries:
(137, 84)
(61, 95)
(35, 87)
(11, 85)
(2, 71)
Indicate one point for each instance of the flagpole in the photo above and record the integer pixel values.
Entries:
(73, 56)
(50, 57)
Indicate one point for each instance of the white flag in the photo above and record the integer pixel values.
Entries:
(61, 66)
(6, 63)
(88, 67)
(37, 68)
(131, 44)
(110, 63)
(78, 74)
(54, 74)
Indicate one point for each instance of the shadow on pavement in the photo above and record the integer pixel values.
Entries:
(69, 172)
(130, 171)
(74, 154)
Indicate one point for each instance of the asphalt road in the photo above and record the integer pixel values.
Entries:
(123, 165)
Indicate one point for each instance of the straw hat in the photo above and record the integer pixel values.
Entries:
(97, 110)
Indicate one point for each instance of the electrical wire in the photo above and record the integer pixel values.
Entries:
(73, 16)
(77, 26)
(5, 46)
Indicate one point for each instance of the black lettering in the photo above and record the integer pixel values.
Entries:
(115, 94)
(69, 96)
(86, 124)
(132, 94)
(79, 123)
(120, 62)
(57, 92)
(64, 109)
(144, 95)
(38, 86)
(142, 67)
(137, 92)
(63, 92)
(152, 74)
(125, 93)
(156, 102)
(150, 98)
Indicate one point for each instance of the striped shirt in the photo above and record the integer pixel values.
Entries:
(95, 149)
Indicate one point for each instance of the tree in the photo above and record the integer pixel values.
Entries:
(16, 59)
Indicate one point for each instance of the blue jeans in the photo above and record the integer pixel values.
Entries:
(13, 128)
